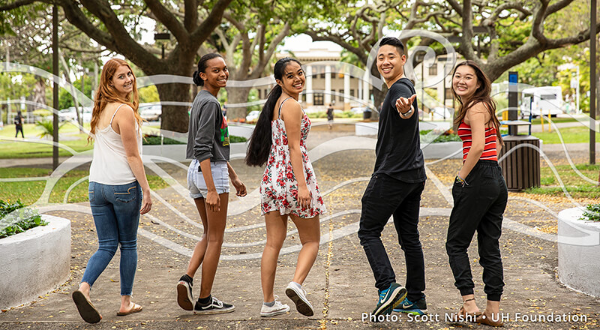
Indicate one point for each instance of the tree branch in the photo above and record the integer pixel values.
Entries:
(557, 6)
(466, 46)
(164, 16)
(456, 6)
(271, 50)
(338, 40)
(16, 4)
(190, 20)
(122, 44)
(205, 29)
(77, 18)
(537, 25)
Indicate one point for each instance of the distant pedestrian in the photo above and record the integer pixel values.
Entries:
(208, 181)
(395, 188)
(289, 187)
(19, 124)
(330, 116)
(480, 194)
(118, 189)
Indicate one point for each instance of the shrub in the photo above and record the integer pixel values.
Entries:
(47, 127)
(156, 140)
(15, 218)
(592, 213)
(236, 139)
(440, 136)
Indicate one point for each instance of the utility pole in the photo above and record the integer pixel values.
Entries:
(55, 87)
(593, 83)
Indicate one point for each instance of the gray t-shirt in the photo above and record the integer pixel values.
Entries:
(208, 134)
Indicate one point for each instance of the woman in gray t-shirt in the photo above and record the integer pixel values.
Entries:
(208, 182)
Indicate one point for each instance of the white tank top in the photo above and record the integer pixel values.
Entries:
(109, 162)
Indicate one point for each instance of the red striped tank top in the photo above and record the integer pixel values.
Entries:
(489, 151)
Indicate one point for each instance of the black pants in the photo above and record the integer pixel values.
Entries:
(478, 206)
(384, 197)
(19, 128)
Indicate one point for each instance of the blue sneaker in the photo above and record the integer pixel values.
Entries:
(389, 299)
(416, 308)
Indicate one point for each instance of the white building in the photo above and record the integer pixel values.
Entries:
(330, 81)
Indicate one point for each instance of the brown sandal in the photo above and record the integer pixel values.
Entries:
(463, 316)
(487, 319)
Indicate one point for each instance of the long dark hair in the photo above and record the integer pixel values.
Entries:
(260, 141)
(202, 67)
(482, 94)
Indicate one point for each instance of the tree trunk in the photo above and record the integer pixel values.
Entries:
(39, 93)
(237, 97)
(174, 117)
(378, 97)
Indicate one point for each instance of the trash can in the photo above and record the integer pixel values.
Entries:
(367, 114)
(521, 168)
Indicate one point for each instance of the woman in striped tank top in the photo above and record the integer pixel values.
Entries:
(479, 193)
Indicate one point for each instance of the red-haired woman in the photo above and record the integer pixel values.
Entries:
(480, 194)
(118, 190)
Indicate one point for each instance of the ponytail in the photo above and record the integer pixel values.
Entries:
(260, 141)
(197, 80)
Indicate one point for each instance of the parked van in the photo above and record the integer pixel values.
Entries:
(545, 100)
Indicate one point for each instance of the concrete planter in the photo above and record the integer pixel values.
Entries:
(442, 150)
(177, 152)
(34, 262)
(578, 251)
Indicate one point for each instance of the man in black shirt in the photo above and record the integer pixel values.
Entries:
(395, 188)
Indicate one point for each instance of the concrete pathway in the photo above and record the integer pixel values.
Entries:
(340, 285)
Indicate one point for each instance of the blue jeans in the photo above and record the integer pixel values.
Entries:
(116, 211)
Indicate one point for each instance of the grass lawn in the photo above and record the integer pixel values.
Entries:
(575, 185)
(579, 134)
(70, 137)
(554, 120)
(30, 191)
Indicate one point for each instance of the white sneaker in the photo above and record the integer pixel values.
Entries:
(298, 296)
(276, 309)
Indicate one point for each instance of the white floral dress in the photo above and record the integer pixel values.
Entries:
(279, 188)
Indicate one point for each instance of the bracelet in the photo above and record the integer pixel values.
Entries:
(407, 113)
(460, 180)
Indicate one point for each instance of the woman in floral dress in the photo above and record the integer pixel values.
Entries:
(289, 187)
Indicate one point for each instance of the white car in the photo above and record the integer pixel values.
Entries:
(67, 114)
(252, 116)
(150, 112)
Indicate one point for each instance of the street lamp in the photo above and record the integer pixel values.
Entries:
(162, 36)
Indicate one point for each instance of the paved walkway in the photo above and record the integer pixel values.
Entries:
(341, 285)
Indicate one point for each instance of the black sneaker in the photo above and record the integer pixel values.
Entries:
(214, 307)
(185, 298)
(389, 299)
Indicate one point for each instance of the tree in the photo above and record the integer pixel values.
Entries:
(508, 33)
(249, 37)
(116, 27)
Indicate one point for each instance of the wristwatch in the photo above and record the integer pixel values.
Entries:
(407, 113)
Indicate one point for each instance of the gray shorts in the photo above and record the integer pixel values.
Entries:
(196, 183)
